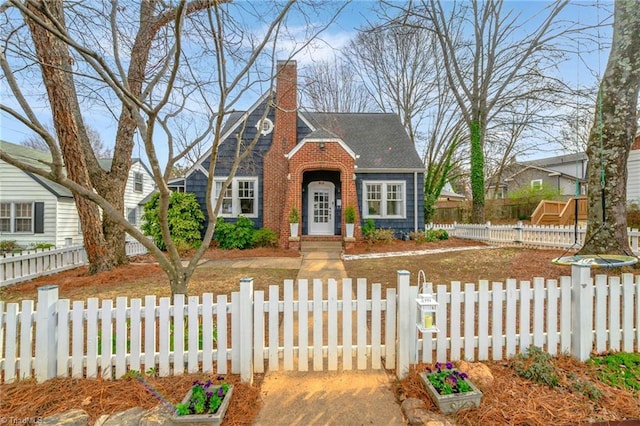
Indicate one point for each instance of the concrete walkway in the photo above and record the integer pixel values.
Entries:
(359, 397)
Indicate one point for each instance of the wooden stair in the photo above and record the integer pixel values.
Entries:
(559, 213)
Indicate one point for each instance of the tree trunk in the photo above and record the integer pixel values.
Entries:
(477, 171)
(56, 64)
(612, 135)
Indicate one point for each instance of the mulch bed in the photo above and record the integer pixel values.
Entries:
(512, 400)
(28, 400)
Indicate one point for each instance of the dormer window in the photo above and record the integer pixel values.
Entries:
(265, 126)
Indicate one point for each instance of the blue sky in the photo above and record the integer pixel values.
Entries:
(344, 29)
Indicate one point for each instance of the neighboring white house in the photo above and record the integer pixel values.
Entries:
(35, 210)
(565, 169)
(633, 173)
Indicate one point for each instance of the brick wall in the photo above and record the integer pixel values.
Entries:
(284, 139)
(636, 143)
(331, 157)
(283, 178)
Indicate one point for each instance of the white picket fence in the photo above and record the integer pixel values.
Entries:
(338, 326)
(531, 235)
(19, 267)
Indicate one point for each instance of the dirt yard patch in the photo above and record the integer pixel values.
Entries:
(511, 400)
(144, 277)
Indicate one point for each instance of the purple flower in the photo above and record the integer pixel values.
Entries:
(220, 392)
(438, 366)
(206, 385)
(464, 375)
(209, 394)
(449, 366)
(220, 377)
(453, 379)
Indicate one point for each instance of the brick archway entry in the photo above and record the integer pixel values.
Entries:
(316, 156)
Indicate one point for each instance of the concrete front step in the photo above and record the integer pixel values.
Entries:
(321, 246)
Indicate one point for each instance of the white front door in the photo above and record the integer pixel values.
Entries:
(321, 206)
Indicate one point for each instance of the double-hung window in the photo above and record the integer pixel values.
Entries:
(132, 215)
(5, 217)
(239, 198)
(384, 199)
(138, 180)
(17, 217)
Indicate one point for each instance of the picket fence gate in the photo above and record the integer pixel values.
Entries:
(30, 264)
(550, 236)
(327, 330)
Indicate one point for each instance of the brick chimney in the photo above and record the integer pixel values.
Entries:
(276, 166)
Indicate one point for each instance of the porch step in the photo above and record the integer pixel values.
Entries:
(311, 246)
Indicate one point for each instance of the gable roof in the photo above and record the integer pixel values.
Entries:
(549, 172)
(379, 140)
(41, 159)
(557, 160)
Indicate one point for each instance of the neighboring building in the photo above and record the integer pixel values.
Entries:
(35, 210)
(562, 172)
(318, 163)
(633, 173)
(449, 195)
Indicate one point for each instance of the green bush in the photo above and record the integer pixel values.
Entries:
(437, 234)
(294, 215)
(41, 246)
(184, 216)
(621, 370)
(265, 237)
(7, 246)
(234, 236)
(350, 214)
(369, 230)
(535, 365)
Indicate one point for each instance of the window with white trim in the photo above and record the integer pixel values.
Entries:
(132, 215)
(5, 217)
(384, 199)
(240, 197)
(16, 217)
(536, 184)
(137, 181)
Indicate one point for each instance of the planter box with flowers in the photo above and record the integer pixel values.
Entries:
(450, 389)
(204, 405)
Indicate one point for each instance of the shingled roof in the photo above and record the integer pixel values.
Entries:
(39, 159)
(378, 139)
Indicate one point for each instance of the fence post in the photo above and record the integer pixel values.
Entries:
(246, 330)
(46, 333)
(581, 312)
(518, 229)
(406, 332)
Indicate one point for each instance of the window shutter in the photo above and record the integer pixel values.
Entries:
(38, 225)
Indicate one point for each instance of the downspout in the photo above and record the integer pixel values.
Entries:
(415, 201)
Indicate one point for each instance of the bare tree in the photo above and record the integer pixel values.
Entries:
(331, 86)
(399, 66)
(97, 144)
(489, 59)
(614, 129)
(179, 63)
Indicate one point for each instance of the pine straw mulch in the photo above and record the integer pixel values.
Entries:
(28, 400)
(512, 400)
